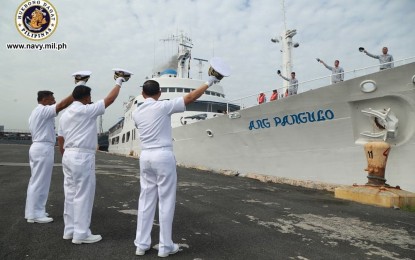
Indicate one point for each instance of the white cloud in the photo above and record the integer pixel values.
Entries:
(106, 34)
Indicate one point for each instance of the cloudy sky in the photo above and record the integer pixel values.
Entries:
(101, 35)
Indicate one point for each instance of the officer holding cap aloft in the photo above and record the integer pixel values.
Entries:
(385, 59)
(293, 83)
(337, 72)
(81, 77)
(77, 138)
(158, 177)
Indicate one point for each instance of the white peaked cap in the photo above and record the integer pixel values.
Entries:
(123, 70)
(220, 66)
(83, 73)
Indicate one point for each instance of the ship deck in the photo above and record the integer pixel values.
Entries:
(217, 217)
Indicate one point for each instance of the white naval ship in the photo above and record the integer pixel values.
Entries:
(173, 83)
(314, 138)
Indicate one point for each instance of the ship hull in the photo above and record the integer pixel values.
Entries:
(312, 136)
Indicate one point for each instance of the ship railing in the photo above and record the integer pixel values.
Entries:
(303, 86)
(113, 132)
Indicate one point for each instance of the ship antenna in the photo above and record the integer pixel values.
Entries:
(184, 48)
(286, 40)
(283, 15)
(200, 66)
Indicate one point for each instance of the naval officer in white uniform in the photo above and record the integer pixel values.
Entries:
(41, 154)
(78, 142)
(158, 177)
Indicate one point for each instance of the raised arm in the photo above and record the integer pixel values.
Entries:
(371, 55)
(64, 103)
(197, 93)
(325, 65)
(110, 98)
(279, 74)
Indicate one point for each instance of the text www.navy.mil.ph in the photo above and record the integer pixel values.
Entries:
(37, 46)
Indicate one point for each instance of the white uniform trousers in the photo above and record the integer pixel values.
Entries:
(158, 179)
(79, 188)
(41, 157)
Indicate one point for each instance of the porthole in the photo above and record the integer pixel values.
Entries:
(368, 86)
(209, 133)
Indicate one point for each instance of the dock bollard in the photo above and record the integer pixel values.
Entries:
(376, 156)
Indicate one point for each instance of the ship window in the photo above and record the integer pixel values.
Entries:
(187, 90)
(163, 89)
(128, 136)
(207, 106)
(123, 138)
(172, 89)
(208, 92)
(179, 89)
(115, 140)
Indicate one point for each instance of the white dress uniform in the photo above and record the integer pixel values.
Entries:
(337, 73)
(41, 157)
(78, 127)
(158, 177)
(293, 87)
(383, 58)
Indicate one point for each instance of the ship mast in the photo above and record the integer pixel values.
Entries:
(183, 55)
(200, 66)
(286, 40)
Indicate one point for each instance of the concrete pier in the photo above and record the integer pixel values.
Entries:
(217, 217)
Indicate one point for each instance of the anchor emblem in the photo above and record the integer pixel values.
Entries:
(385, 122)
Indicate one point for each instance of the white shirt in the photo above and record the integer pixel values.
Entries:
(383, 58)
(293, 87)
(337, 73)
(153, 121)
(42, 124)
(78, 125)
